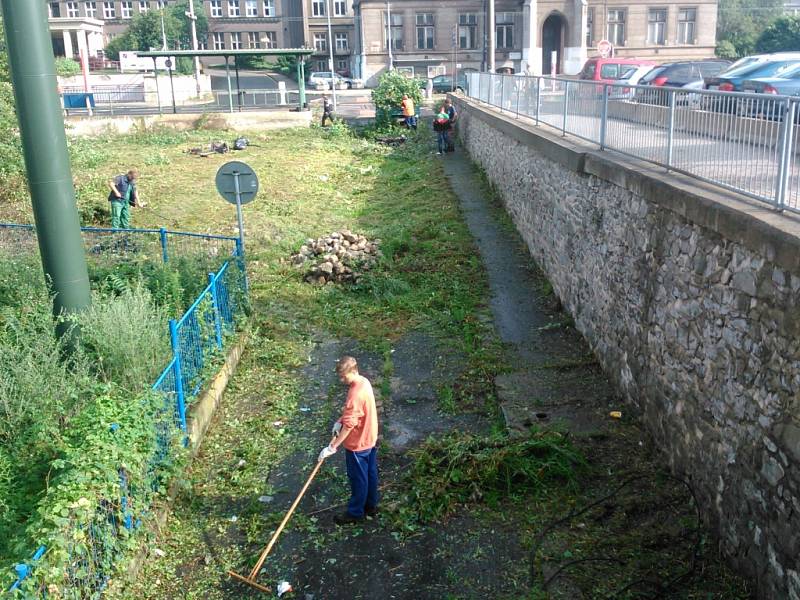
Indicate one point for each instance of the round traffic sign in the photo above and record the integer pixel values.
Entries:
(226, 182)
(604, 48)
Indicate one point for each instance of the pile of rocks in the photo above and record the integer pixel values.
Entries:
(341, 257)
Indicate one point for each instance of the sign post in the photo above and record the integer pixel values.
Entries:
(237, 183)
(605, 48)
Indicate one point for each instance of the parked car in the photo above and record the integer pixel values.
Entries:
(732, 80)
(684, 74)
(323, 78)
(787, 84)
(611, 70)
(632, 75)
(444, 83)
(758, 58)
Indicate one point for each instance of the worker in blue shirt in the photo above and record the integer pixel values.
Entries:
(453, 115)
(123, 196)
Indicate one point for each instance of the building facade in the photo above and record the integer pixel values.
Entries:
(432, 38)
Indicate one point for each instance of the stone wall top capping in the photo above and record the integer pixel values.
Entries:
(774, 235)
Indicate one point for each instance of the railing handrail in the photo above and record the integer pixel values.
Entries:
(202, 295)
(207, 236)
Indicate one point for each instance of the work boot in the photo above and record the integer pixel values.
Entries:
(371, 511)
(346, 519)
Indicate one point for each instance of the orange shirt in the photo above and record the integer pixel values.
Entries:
(361, 415)
(408, 107)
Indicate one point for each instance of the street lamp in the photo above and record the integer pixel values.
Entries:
(389, 33)
(193, 21)
(330, 49)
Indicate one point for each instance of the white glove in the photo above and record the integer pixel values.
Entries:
(326, 452)
(337, 427)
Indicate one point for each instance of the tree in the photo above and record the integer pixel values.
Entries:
(740, 22)
(783, 35)
(389, 93)
(144, 32)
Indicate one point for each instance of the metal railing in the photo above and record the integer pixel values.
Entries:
(747, 143)
(197, 338)
(132, 101)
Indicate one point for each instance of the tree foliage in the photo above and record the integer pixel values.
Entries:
(389, 93)
(144, 32)
(783, 35)
(740, 22)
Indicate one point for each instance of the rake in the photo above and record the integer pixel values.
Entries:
(251, 579)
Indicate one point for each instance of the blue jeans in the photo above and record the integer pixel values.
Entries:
(362, 471)
(441, 139)
(411, 122)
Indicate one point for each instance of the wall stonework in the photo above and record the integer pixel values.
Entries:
(699, 329)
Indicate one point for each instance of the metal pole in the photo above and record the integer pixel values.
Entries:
(785, 154)
(158, 92)
(44, 144)
(492, 34)
(389, 33)
(330, 50)
(193, 19)
(230, 89)
(604, 118)
(238, 87)
(163, 31)
(538, 97)
(301, 82)
(566, 96)
(177, 372)
(671, 128)
(170, 68)
(164, 249)
(212, 281)
(239, 216)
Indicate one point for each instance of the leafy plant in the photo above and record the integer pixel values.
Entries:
(66, 67)
(392, 85)
(782, 36)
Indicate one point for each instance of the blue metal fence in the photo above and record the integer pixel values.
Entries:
(197, 338)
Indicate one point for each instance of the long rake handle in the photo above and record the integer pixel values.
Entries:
(278, 531)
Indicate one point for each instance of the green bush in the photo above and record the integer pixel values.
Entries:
(782, 36)
(392, 85)
(66, 67)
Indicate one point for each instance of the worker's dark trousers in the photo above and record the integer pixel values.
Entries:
(362, 471)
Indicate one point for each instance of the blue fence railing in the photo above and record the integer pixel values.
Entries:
(197, 338)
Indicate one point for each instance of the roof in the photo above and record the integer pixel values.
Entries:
(250, 52)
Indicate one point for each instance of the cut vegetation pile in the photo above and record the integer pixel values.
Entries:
(462, 468)
(340, 257)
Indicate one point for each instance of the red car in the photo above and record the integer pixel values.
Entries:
(610, 70)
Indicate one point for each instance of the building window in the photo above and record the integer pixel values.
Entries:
(91, 9)
(233, 8)
(321, 65)
(342, 66)
(321, 42)
(616, 26)
(216, 8)
(161, 4)
(270, 39)
(236, 41)
(657, 26)
(109, 12)
(341, 42)
(253, 40)
(467, 31)
(687, 18)
(126, 9)
(54, 8)
(436, 71)
(589, 27)
(251, 8)
(504, 30)
(426, 31)
(73, 10)
(144, 6)
(269, 8)
(219, 40)
(396, 31)
(318, 8)
(339, 8)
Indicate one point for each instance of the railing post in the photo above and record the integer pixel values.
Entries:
(671, 128)
(212, 280)
(604, 118)
(787, 130)
(179, 392)
(566, 97)
(518, 85)
(164, 254)
(538, 97)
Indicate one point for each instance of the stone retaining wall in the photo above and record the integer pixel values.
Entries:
(690, 299)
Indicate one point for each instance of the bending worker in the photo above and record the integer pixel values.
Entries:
(357, 431)
(123, 195)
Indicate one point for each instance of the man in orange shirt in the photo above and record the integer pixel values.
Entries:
(357, 431)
